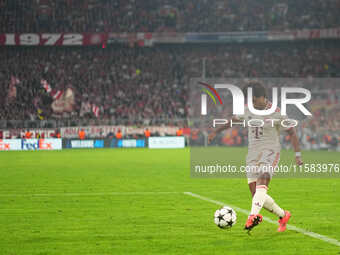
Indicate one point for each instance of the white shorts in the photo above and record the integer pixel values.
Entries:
(261, 161)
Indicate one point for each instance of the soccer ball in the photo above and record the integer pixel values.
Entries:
(225, 217)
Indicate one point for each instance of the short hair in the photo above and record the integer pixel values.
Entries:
(258, 89)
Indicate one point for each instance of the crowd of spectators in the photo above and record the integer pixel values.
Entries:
(145, 83)
(165, 15)
(321, 131)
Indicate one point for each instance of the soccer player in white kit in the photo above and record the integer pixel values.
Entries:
(263, 155)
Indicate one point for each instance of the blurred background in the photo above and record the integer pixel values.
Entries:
(106, 67)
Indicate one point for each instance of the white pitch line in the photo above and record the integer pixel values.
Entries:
(91, 194)
(290, 227)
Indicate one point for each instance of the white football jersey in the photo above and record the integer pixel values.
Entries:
(266, 134)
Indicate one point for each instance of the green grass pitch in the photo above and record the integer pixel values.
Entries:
(131, 201)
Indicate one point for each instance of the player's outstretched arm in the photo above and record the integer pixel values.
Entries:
(296, 145)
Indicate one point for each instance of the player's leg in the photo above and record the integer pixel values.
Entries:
(271, 206)
(269, 203)
(251, 176)
(267, 160)
(260, 193)
(252, 187)
(254, 179)
(258, 187)
(272, 159)
(274, 208)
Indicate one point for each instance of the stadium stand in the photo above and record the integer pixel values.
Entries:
(164, 15)
(139, 83)
(128, 84)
